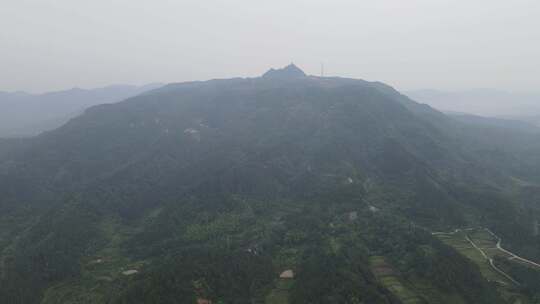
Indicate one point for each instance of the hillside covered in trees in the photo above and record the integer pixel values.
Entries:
(211, 190)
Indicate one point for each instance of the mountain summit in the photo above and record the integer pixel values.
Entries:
(215, 185)
(290, 71)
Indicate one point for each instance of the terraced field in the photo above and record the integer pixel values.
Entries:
(280, 294)
(480, 246)
(100, 273)
(410, 290)
(460, 243)
(389, 278)
(487, 242)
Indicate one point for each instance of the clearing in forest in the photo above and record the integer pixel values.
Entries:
(280, 294)
(485, 250)
(389, 278)
(459, 242)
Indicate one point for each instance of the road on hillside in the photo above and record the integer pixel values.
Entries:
(490, 260)
(499, 241)
(514, 256)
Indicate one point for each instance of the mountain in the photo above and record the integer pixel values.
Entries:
(284, 188)
(483, 102)
(23, 114)
(491, 122)
(289, 72)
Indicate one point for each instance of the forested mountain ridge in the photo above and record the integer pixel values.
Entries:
(211, 189)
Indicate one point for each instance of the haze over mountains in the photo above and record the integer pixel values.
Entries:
(23, 114)
(209, 190)
(483, 102)
(242, 179)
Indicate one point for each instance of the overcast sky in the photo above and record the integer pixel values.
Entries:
(410, 44)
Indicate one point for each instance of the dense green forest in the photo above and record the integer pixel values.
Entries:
(212, 190)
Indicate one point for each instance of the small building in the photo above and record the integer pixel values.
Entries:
(373, 209)
(130, 272)
(287, 274)
(203, 301)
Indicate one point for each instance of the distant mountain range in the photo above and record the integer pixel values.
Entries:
(24, 114)
(208, 191)
(483, 102)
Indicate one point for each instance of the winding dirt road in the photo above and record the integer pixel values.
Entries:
(513, 256)
(490, 260)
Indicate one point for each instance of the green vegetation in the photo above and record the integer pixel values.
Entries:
(388, 277)
(508, 288)
(209, 190)
(280, 294)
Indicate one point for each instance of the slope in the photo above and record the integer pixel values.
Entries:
(196, 174)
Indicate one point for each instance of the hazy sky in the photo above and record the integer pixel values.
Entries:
(410, 44)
